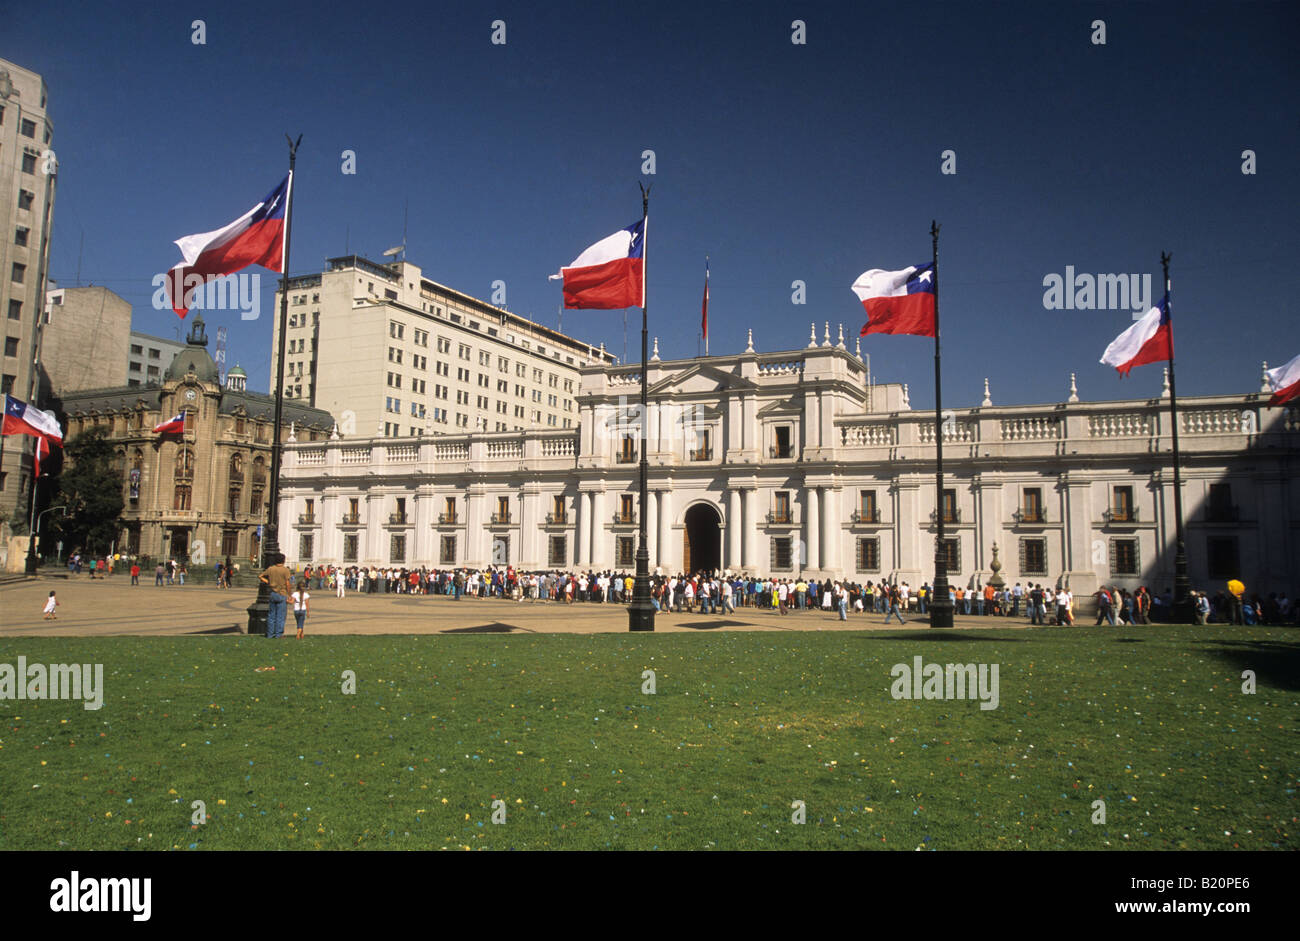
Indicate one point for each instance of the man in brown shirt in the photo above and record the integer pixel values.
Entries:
(277, 578)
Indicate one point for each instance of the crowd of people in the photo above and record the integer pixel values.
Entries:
(722, 592)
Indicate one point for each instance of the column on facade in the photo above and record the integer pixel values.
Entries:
(826, 414)
(374, 528)
(748, 560)
(734, 530)
(747, 432)
(830, 530)
(586, 431)
(1076, 541)
(473, 527)
(329, 528)
(526, 554)
(812, 528)
(599, 557)
(662, 548)
(652, 429)
(584, 528)
(652, 527)
(423, 552)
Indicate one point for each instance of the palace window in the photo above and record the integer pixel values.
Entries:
(626, 555)
(949, 506)
(558, 552)
(1033, 556)
(1032, 511)
(869, 554)
(1122, 505)
(447, 551)
(1123, 556)
(1223, 559)
(952, 556)
(782, 557)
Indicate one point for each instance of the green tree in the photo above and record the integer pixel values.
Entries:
(90, 486)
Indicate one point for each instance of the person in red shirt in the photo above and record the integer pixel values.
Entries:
(135, 573)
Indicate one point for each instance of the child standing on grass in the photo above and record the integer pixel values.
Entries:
(300, 599)
(50, 604)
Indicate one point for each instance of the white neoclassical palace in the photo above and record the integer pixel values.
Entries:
(795, 462)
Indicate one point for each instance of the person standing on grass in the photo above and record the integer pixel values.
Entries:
(300, 604)
(50, 604)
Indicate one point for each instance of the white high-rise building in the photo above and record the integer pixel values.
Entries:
(392, 354)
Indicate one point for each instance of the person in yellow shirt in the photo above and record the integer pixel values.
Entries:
(800, 594)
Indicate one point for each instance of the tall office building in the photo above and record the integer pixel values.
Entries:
(27, 181)
(390, 353)
(83, 340)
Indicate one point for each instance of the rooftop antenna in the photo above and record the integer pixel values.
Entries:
(400, 249)
(220, 358)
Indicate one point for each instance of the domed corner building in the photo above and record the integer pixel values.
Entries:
(202, 494)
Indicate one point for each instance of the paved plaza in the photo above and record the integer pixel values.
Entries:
(112, 606)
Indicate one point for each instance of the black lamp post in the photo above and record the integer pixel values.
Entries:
(641, 612)
(270, 545)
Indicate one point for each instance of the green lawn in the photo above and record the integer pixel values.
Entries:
(1152, 720)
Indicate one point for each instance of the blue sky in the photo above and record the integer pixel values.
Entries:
(782, 162)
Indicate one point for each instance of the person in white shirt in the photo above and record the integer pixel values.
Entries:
(300, 600)
(1063, 598)
(783, 595)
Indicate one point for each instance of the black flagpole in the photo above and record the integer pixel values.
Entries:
(641, 612)
(270, 545)
(939, 603)
(1182, 613)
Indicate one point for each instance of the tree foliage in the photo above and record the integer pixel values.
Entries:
(90, 487)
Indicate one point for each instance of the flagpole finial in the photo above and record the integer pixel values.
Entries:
(826, 337)
(840, 345)
(1264, 384)
(812, 336)
(1164, 393)
(987, 400)
(1074, 390)
(749, 347)
(655, 357)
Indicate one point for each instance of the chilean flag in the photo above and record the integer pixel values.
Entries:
(172, 426)
(898, 301)
(609, 274)
(42, 451)
(255, 238)
(704, 311)
(23, 419)
(1149, 340)
(1285, 381)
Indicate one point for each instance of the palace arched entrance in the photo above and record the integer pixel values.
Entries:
(702, 539)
